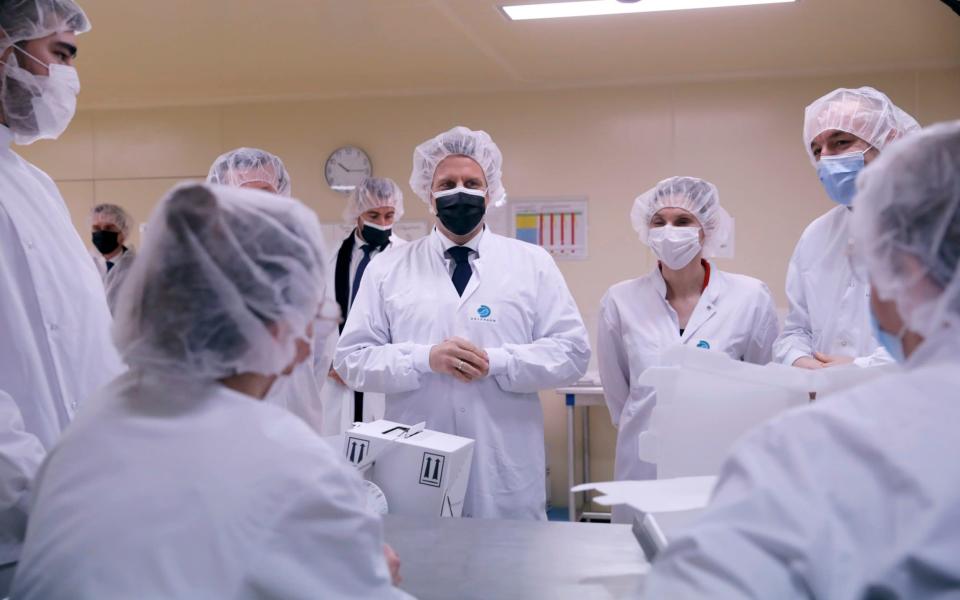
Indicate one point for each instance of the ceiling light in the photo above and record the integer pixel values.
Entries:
(588, 8)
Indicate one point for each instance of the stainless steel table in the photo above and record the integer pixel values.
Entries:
(478, 558)
(583, 396)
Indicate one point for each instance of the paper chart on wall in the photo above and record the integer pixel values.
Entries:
(560, 226)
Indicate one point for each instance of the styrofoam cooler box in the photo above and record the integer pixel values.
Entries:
(421, 472)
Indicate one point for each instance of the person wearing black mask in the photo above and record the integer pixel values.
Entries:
(374, 207)
(463, 327)
(111, 226)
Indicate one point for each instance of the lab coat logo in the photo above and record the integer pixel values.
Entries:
(483, 314)
(357, 449)
(431, 471)
(703, 344)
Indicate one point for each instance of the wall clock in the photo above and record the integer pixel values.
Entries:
(346, 168)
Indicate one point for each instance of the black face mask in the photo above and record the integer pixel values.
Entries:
(460, 213)
(375, 237)
(106, 241)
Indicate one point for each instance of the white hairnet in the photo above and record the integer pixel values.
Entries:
(906, 227)
(116, 215)
(865, 112)
(696, 196)
(374, 192)
(459, 141)
(245, 165)
(22, 20)
(227, 280)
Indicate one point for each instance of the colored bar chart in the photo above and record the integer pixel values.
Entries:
(559, 227)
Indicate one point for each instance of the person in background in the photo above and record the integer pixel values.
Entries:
(252, 168)
(463, 327)
(856, 496)
(828, 322)
(55, 347)
(684, 300)
(111, 227)
(178, 481)
(373, 208)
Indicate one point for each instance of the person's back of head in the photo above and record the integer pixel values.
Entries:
(226, 283)
(906, 226)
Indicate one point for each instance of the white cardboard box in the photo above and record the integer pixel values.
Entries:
(421, 472)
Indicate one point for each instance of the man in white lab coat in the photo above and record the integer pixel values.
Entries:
(374, 207)
(55, 347)
(110, 233)
(828, 322)
(463, 327)
(257, 169)
(857, 496)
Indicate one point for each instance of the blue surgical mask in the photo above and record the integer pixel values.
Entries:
(838, 174)
(891, 341)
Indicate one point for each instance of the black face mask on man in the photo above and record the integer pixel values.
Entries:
(460, 210)
(106, 241)
(375, 235)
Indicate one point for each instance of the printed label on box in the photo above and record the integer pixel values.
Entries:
(431, 471)
(356, 449)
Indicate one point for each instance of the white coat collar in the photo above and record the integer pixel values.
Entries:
(446, 243)
(6, 136)
(715, 286)
(707, 305)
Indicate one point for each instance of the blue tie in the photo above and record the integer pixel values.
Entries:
(462, 272)
(367, 249)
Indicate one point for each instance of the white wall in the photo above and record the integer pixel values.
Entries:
(606, 144)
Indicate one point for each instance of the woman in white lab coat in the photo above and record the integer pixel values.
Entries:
(178, 481)
(857, 496)
(684, 300)
(300, 393)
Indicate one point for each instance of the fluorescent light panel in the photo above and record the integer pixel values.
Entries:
(589, 8)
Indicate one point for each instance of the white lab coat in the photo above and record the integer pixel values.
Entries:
(169, 488)
(55, 346)
(829, 297)
(113, 278)
(302, 391)
(518, 308)
(735, 315)
(856, 492)
(338, 399)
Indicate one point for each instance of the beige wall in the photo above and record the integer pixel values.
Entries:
(607, 144)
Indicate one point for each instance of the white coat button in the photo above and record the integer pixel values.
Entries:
(463, 410)
(54, 327)
(30, 245)
(73, 405)
(843, 343)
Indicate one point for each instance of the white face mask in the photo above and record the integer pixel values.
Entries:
(675, 246)
(37, 106)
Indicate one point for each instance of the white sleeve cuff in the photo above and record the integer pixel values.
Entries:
(793, 355)
(498, 360)
(421, 358)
